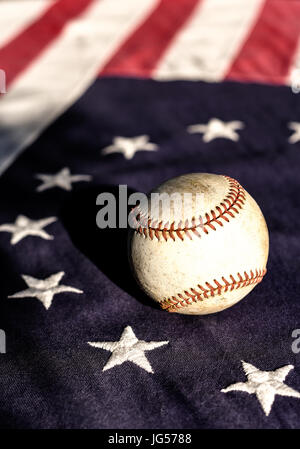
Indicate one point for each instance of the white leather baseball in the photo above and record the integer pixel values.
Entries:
(211, 259)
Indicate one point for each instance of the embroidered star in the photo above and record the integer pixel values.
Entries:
(295, 126)
(44, 289)
(216, 128)
(62, 179)
(24, 226)
(265, 385)
(130, 145)
(128, 348)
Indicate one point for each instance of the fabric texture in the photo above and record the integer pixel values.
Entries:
(103, 93)
(50, 376)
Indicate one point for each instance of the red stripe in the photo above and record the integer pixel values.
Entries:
(19, 53)
(268, 52)
(140, 53)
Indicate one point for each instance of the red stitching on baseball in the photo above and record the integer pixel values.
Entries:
(230, 206)
(209, 290)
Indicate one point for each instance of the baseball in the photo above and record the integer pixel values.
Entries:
(203, 255)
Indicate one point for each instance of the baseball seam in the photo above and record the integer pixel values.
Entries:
(228, 207)
(200, 292)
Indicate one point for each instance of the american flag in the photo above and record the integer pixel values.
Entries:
(87, 87)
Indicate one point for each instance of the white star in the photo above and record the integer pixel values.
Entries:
(130, 145)
(128, 348)
(216, 128)
(265, 385)
(295, 126)
(62, 179)
(24, 226)
(44, 289)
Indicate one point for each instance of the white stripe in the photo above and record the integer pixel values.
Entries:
(64, 72)
(17, 15)
(206, 46)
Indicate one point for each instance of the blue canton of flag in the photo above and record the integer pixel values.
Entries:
(106, 93)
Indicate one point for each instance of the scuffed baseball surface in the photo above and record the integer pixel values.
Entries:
(212, 257)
